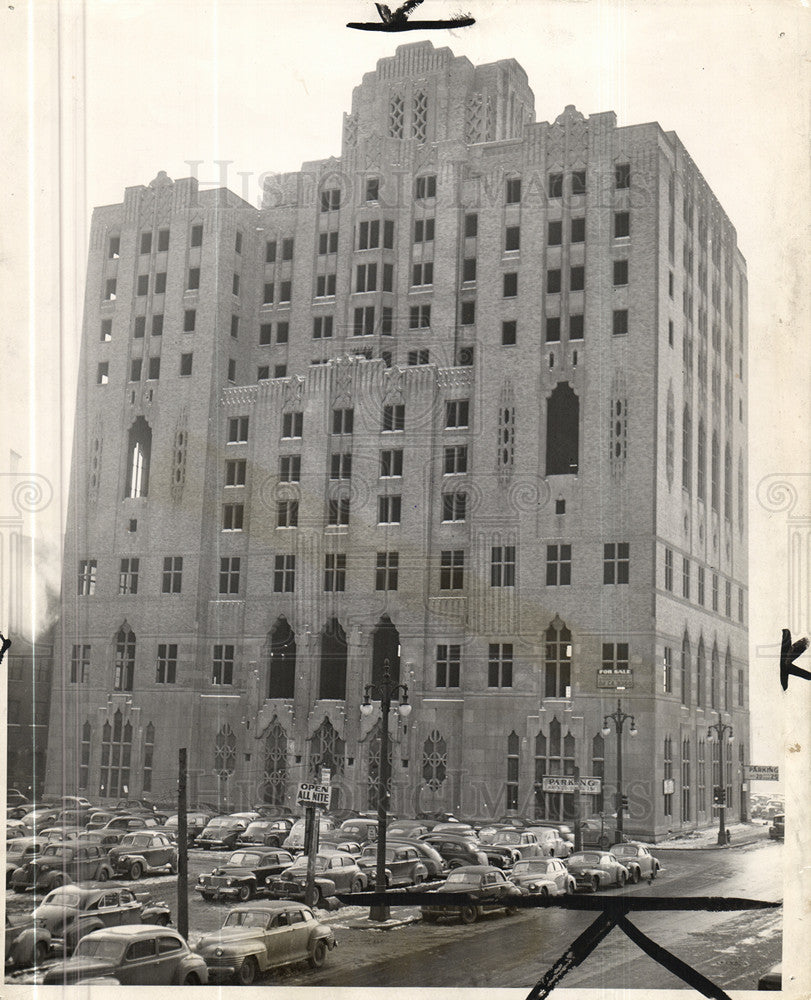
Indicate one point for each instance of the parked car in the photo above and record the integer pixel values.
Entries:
(150, 955)
(264, 936)
(432, 859)
(360, 829)
(777, 831)
(551, 843)
(196, 822)
(58, 864)
(99, 819)
(403, 865)
(407, 829)
(39, 819)
(18, 853)
(221, 833)
(638, 860)
(60, 834)
(294, 841)
(596, 869)
(106, 839)
(334, 841)
(71, 911)
(543, 876)
(597, 832)
(487, 888)
(130, 822)
(521, 842)
(270, 832)
(244, 874)
(456, 852)
(334, 872)
(27, 942)
(14, 797)
(142, 853)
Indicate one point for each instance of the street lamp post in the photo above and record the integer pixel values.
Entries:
(386, 690)
(619, 718)
(719, 731)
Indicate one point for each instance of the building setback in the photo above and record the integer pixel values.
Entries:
(470, 400)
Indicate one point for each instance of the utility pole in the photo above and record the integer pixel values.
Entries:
(182, 848)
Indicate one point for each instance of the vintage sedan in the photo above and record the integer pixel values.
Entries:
(266, 832)
(543, 877)
(27, 942)
(143, 853)
(221, 833)
(524, 844)
(432, 859)
(456, 852)
(638, 860)
(485, 887)
(18, 853)
(334, 872)
(777, 831)
(58, 864)
(294, 841)
(149, 955)
(264, 936)
(129, 822)
(196, 822)
(71, 911)
(595, 870)
(403, 865)
(244, 874)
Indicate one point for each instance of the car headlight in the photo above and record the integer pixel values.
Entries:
(218, 952)
(201, 879)
(229, 881)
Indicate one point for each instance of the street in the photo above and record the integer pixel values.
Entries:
(514, 951)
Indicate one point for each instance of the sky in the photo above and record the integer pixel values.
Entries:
(106, 93)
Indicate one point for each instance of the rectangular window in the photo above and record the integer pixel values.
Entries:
(287, 248)
(468, 313)
(366, 278)
(369, 234)
(500, 665)
(237, 430)
(135, 369)
(372, 188)
(622, 176)
(509, 333)
(327, 243)
(322, 327)
(186, 364)
(232, 516)
(166, 663)
(454, 506)
(235, 285)
(229, 574)
(338, 511)
(284, 574)
(425, 187)
(513, 192)
(728, 599)
(420, 357)
(452, 569)
(423, 274)
(553, 280)
(335, 572)
(391, 463)
(469, 269)
(394, 417)
(223, 664)
(160, 283)
(196, 236)
(579, 182)
(106, 331)
(128, 576)
(740, 604)
(87, 577)
(287, 513)
(447, 666)
(715, 592)
(146, 242)
(114, 248)
(667, 667)
(622, 224)
(554, 233)
(341, 465)
(502, 566)
(157, 325)
(143, 284)
(616, 562)
(457, 413)
(110, 289)
(558, 565)
(270, 252)
(387, 322)
(510, 285)
(620, 272)
(471, 224)
(364, 321)
(292, 424)
(265, 334)
(172, 574)
(620, 322)
(419, 317)
(386, 570)
(685, 578)
(279, 371)
(424, 230)
(512, 238)
(154, 370)
(669, 569)
(237, 242)
(389, 509)
(282, 332)
(388, 234)
(615, 656)
(330, 200)
(235, 472)
(189, 320)
(701, 585)
(286, 291)
(455, 459)
(578, 230)
(552, 329)
(289, 468)
(576, 327)
(577, 279)
(139, 328)
(388, 277)
(555, 186)
(343, 421)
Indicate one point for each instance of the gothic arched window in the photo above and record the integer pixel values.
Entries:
(282, 670)
(332, 677)
(139, 451)
(562, 431)
(124, 666)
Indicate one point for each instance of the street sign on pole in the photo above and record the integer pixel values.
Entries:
(311, 793)
(568, 784)
(757, 772)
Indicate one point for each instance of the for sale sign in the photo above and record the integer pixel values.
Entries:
(758, 772)
(313, 794)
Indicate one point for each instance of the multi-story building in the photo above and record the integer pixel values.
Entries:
(470, 400)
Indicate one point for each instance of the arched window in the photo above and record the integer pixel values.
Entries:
(727, 483)
(282, 667)
(116, 752)
(670, 434)
(225, 752)
(124, 668)
(149, 750)
(685, 670)
(434, 760)
(685, 781)
(728, 680)
(668, 776)
(275, 760)
(327, 750)
(741, 498)
(714, 678)
(513, 766)
(84, 756)
(558, 660)
(332, 678)
(139, 451)
(715, 472)
(687, 451)
(385, 646)
(562, 431)
(701, 463)
(700, 662)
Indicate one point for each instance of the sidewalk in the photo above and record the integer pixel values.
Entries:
(740, 834)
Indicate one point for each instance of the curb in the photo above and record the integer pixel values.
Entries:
(366, 924)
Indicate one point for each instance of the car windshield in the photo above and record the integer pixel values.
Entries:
(247, 918)
(219, 824)
(507, 837)
(371, 852)
(524, 867)
(62, 897)
(99, 947)
(628, 850)
(245, 859)
(258, 826)
(135, 840)
(459, 878)
(585, 859)
(59, 852)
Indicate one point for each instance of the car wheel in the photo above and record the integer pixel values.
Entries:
(544, 891)
(316, 896)
(136, 870)
(570, 888)
(621, 879)
(595, 884)
(191, 979)
(468, 914)
(319, 954)
(246, 973)
(103, 875)
(163, 920)
(419, 879)
(455, 863)
(635, 876)
(173, 868)
(244, 893)
(357, 885)
(41, 952)
(654, 872)
(605, 842)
